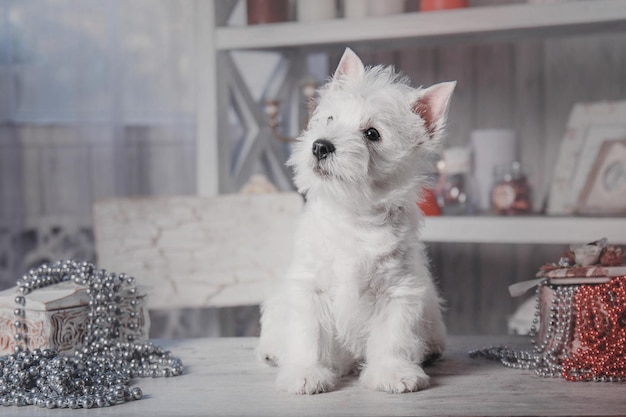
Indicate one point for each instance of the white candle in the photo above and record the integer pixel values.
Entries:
(491, 147)
(310, 10)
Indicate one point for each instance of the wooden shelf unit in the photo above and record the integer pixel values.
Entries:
(478, 24)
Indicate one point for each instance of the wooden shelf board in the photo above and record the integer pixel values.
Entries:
(539, 229)
(471, 24)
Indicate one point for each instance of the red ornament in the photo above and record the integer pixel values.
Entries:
(428, 204)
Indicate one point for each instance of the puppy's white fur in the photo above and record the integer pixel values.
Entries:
(359, 294)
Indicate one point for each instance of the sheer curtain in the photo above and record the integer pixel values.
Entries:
(96, 100)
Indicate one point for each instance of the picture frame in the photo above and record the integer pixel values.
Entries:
(593, 132)
(605, 190)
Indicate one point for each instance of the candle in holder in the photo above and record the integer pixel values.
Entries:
(511, 191)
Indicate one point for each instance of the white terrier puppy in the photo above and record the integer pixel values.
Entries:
(359, 294)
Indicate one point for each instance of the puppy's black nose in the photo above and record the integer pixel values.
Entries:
(322, 147)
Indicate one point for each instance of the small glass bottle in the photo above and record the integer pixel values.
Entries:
(455, 190)
(511, 191)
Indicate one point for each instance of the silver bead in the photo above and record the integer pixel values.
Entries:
(137, 393)
(87, 402)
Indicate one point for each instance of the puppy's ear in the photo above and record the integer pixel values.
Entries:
(432, 105)
(350, 66)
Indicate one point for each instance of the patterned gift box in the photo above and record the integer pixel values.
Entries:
(582, 319)
(568, 278)
(57, 316)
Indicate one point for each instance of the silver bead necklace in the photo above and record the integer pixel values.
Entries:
(99, 372)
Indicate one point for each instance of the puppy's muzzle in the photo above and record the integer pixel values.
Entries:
(322, 148)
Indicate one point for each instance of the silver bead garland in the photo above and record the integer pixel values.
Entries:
(545, 359)
(100, 371)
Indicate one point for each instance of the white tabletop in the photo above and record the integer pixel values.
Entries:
(223, 378)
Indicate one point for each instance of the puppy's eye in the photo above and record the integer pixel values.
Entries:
(372, 134)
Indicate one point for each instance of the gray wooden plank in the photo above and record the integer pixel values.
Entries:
(496, 271)
(494, 109)
(459, 281)
(460, 285)
(223, 141)
(494, 86)
(418, 64)
(529, 111)
(456, 63)
(208, 92)
(529, 124)
(223, 9)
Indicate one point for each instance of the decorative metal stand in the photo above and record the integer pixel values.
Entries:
(272, 109)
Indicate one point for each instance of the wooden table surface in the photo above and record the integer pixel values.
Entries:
(223, 378)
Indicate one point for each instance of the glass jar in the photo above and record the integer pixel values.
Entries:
(455, 189)
(511, 191)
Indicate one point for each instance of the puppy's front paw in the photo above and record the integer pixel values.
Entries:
(399, 377)
(310, 380)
